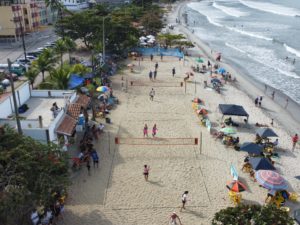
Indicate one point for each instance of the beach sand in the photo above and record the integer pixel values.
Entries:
(116, 192)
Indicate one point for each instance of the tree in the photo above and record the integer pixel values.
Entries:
(70, 46)
(30, 172)
(59, 78)
(151, 22)
(60, 48)
(44, 62)
(80, 69)
(252, 214)
(31, 75)
(170, 39)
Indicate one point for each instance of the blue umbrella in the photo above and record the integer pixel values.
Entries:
(251, 148)
(258, 163)
(266, 132)
(222, 70)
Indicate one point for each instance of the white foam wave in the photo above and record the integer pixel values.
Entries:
(229, 11)
(249, 34)
(292, 50)
(235, 48)
(210, 20)
(271, 8)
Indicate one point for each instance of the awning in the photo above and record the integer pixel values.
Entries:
(67, 126)
(75, 81)
(83, 100)
(74, 110)
(233, 110)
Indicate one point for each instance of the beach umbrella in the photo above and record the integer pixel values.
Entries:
(228, 130)
(271, 180)
(251, 148)
(258, 163)
(130, 65)
(102, 89)
(215, 80)
(234, 172)
(199, 60)
(143, 38)
(266, 132)
(221, 71)
(236, 186)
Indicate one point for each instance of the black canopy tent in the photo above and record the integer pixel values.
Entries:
(233, 110)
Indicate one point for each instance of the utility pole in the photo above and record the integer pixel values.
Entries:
(14, 98)
(103, 39)
(22, 35)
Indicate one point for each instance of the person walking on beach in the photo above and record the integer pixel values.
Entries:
(173, 219)
(150, 75)
(294, 61)
(151, 94)
(146, 172)
(161, 56)
(183, 200)
(295, 139)
(151, 57)
(256, 102)
(154, 74)
(154, 130)
(208, 64)
(260, 100)
(286, 103)
(145, 130)
(173, 71)
(95, 158)
(156, 65)
(273, 95)
(88, 166)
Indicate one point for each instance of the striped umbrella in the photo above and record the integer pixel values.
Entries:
(271, 180)
(236, 186)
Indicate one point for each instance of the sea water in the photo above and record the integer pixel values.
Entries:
(260, 37)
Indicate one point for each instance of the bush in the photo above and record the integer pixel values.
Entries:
(252, 215)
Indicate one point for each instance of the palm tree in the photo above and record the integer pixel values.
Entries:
(70, 46)
(59, 78)
(44, 62)
(80, 69)
(31, 75)
(60, 48)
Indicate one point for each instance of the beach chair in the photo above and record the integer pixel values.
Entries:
(293, 197)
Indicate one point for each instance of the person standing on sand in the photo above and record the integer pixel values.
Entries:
(154, 74)
(151, 57)
(156, 65)
(295, 139)
(256, 102)
(260, 100)
(208, 64)
(273, 95)
(161, 56)
(151, 94)
(145, 130)
(154, 130)
(173, 71)
(183, 200)
(150, 75)
(173, 219)
(146, 172)
(286, 103)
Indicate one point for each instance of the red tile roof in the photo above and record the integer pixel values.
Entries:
(74, 110)
(83, 100)
(67, 126)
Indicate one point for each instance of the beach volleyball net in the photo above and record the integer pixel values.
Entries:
(156, 84)
(156, 141)
(160, 51)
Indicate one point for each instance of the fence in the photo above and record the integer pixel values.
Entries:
(156, 141)
(160, 51)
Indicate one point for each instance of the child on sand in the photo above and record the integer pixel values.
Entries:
(145, 130)
(154, 130)
(184, 200)
(146, 172)
(295, 139)
(173, 219)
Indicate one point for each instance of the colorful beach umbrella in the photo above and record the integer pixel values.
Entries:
(236, 186)
(251, 148)
(271, 180)
(228, 130)
(199, 60)
(102, 89)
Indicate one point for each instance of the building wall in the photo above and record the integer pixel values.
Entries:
(8, 27)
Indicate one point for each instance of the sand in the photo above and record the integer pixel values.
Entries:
(116, 192)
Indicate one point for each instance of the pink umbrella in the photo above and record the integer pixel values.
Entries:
(271, 180)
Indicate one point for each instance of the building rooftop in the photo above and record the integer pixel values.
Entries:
(41, 107)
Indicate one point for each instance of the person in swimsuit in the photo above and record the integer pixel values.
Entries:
(173, 219)
(145, 130)
(146, 172)
(184, 200)
(154, 130)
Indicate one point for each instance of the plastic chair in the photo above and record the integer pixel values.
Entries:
(293, 197)
(235, 197)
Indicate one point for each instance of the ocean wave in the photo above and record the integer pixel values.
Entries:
(271, 8)
(210, 20)
(249, 34)
(235, 48)
(292, 50)
(229, 11)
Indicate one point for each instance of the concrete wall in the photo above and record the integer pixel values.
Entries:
(7, 26)
(54, 125)
(36, 134)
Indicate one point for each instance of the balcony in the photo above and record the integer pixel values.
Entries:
(17, 19)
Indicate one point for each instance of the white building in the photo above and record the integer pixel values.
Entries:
(75, 5)
(38, 121)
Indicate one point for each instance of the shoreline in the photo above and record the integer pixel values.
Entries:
(251, 87)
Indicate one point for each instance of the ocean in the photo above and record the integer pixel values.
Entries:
(260, 38)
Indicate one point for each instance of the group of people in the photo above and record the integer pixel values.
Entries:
(154, 73)
(154, 130)
(258, 101)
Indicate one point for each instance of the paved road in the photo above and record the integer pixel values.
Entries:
(32, 42)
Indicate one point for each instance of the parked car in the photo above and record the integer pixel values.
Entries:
(30, 57)
(23, 61)
(15, 68)
(34, 53)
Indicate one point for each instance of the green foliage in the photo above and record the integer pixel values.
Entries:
(151, 21)
(59, 78)
(44, 62)
(60, 48)
(30, 172)
(252, 214)
(170, 39)
(80, 69)
(31, 75)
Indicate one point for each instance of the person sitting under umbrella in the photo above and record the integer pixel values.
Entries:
(271, 194)
(229, 121)
(258, 139)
